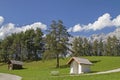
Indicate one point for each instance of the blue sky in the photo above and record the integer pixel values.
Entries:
(71, 12)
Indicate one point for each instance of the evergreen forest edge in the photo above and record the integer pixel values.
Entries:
(32, 45)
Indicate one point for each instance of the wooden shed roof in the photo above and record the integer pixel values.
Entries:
(16, 62)
(80, 61)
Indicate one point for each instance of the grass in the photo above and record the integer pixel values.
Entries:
(42, 70)
(104, 63)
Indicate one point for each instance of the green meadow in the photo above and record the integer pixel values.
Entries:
(41, 70)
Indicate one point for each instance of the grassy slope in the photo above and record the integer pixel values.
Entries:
(41, 70)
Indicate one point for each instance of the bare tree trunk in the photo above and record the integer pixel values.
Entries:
(57, 57)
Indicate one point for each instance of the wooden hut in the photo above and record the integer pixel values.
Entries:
(13, 64)
(79, 65)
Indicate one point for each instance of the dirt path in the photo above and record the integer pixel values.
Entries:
(105, 72)
(4, 76)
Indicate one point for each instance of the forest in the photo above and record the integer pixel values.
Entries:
(34, 45)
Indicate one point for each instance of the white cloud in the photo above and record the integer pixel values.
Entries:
(6, 30)
(10, 28)
(1, 20)
(33, 26)
(70, 29)
(77, 28)
(116, 21)
(102, 22)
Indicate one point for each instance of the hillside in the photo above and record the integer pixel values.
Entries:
(41, 70)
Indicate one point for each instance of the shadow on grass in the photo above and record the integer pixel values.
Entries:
(24, 68)
(93, 71)
(96, 61)
(20, 68)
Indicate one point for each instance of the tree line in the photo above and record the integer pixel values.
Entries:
(22, 46)
(84, 47)
(34, 45)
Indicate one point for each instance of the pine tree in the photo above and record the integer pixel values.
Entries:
(38, 44)
(100, 48)
(56, 41)
(95, 48)
(114, 46)
(77, 47)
